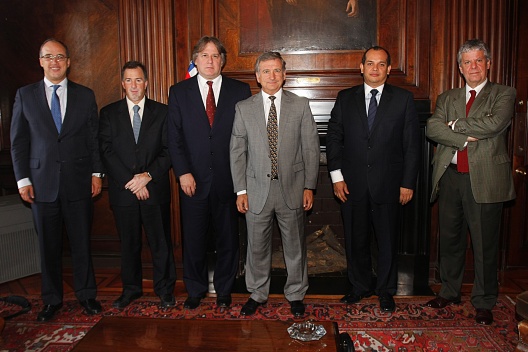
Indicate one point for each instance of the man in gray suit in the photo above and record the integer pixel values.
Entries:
(274, 163)
(471, 177)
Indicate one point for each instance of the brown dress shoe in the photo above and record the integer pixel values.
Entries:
(484, 316)
(441, 302)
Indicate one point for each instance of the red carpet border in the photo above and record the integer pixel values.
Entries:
(412, 327)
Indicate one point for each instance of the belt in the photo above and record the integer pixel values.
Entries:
(454, 167)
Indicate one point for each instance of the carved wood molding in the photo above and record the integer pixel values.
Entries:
(146, 29)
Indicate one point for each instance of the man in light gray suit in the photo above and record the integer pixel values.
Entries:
(472, 177)
(274, 176)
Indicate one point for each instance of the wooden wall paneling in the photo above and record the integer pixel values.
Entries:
(517, 243)
(90, 29)
(146, 30)
(24, 27)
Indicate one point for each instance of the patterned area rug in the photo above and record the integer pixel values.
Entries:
(412, 327)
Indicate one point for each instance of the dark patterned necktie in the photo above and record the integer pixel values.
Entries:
(373, 108)
(136, 122)
(462, 156)
(210, 105)
(273, 137)
(55, 108)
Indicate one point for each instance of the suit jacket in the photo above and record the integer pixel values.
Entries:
(489, 162)
(381, 161)
(123, 158)
(197, 148)
(297, 149)
(46, 157)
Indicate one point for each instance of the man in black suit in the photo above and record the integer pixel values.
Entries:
(135, 152)
(373, 151)
(201, 114)
(57, 166)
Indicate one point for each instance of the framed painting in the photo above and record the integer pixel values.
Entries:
(307, 25)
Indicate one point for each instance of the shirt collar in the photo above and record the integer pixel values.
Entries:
(277, 95)
(141, 104)
(203, 82)
(369, 88)
(62, 83)
(477, 89)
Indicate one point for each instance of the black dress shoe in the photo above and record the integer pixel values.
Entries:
(297, 308)
(387, 303)
(192, 302)
(223, 301)
(91, 306)
(125, 299)
(48, 311)
(351, 298)
(167, 300)
(484, 316)
(441, 302)
(250, 307)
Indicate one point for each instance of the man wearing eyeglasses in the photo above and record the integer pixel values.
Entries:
(55, 152)
(201, 114)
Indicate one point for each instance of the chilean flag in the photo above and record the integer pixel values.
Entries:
(191, 71)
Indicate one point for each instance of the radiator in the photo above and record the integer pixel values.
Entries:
(19, 250)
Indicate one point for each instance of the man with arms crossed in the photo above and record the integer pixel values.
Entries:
(472, 177)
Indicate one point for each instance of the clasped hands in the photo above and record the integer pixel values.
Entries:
(137, 185)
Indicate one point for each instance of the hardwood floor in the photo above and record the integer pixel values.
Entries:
(512, 282)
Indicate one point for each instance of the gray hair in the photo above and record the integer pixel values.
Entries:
(269, 55)
(473, 44)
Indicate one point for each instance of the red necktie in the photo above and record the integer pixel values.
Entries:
(462, 156)
(210, 106)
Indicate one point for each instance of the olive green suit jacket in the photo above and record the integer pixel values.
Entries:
(488, 121)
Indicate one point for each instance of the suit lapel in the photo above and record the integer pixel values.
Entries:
(124, 123)
(259, 118)
(360, 105)
(286, 103)
(480, 99)
(222, 99)
(148, 116)
(68, 121)
(42, 101)
(195, 99)
(458, 105)
(383, 107)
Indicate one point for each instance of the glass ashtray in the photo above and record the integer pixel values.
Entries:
(306, 331)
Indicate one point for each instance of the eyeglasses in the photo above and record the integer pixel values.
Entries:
(49, 57)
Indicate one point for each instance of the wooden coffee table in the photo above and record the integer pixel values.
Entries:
(142, 334)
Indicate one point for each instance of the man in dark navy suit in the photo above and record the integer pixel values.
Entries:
(55, 152)
(135, 152)
(373, 151)
(201, 114)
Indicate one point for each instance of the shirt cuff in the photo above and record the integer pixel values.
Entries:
(24, 182)
(336, 176)
(239, 193)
